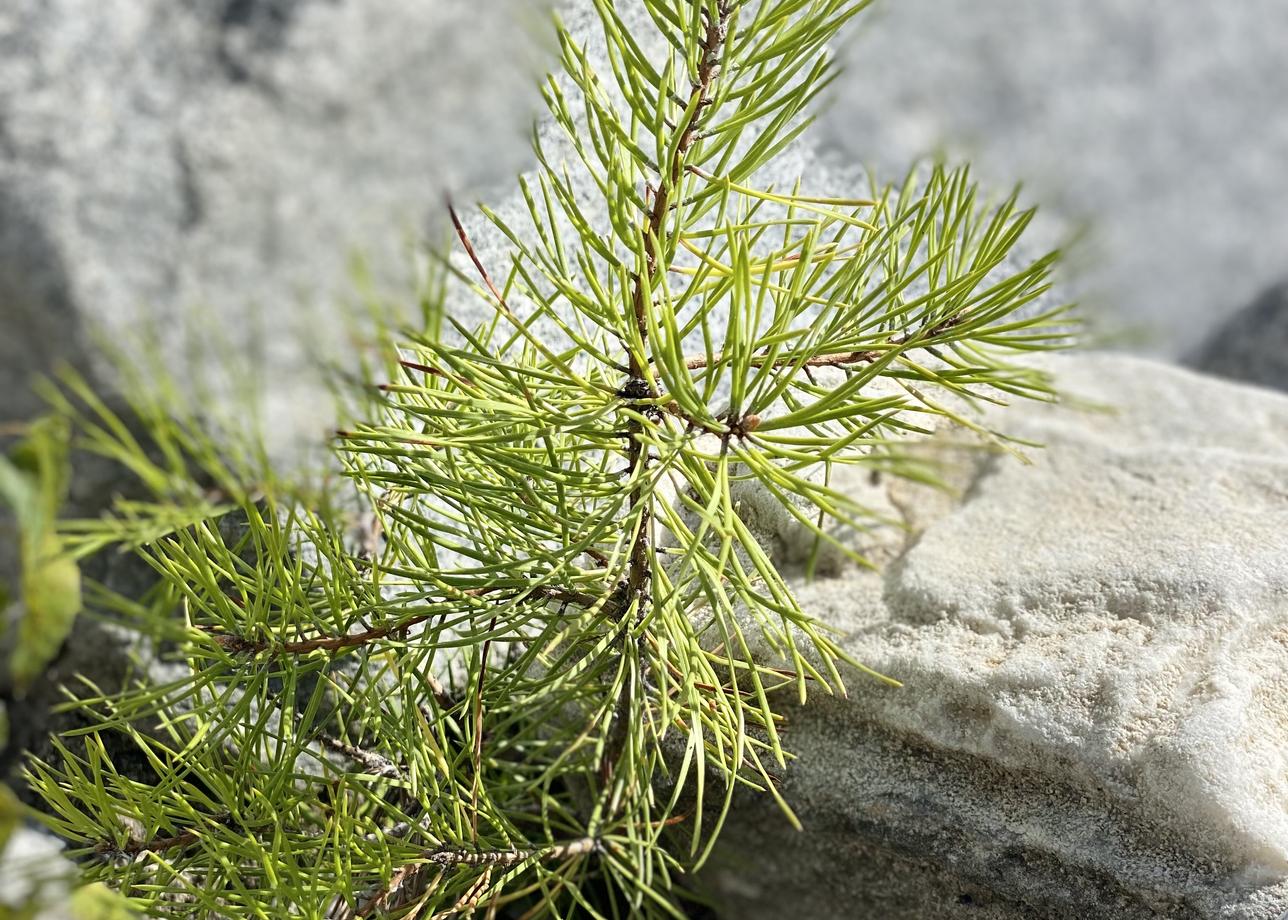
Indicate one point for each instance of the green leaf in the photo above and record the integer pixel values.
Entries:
(10, 814)
(33, 482)
(98, 902)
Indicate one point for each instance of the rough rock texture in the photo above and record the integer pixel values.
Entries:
(1253, 344)
(1094, 649)
(1156, 127)
(205, 168)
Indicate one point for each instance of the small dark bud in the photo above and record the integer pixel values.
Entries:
(634, 388)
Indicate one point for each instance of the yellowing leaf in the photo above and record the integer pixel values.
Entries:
(52, 598)
(98, 902)
(10, 814)
(33, 482)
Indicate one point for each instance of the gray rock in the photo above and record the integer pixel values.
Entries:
(204, 169)
(1155, 128)
(1253, 345)
(1093, 649)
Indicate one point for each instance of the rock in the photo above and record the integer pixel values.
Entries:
(1158, 138)
(1094, 650)
(204, 169)
(1253, 345)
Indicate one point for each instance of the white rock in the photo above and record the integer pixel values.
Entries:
(1094, 649)
(1109, 113)
(204, 169)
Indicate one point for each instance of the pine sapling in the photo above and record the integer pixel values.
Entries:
(533, 681)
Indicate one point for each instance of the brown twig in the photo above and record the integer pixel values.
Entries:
(243, 645)
(599, 557)
(839, 359)
(377, 764)
(448, 858)
(478, 264)
(403, 878)
(158, 844)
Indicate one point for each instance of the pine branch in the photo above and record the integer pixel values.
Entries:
(573, 849)
(376, 764)
(159, 844)
(837, 359)
(239, 645)
(449, 858)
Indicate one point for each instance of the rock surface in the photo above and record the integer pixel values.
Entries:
(1156, 128)
(1094, 650)
(205, 168)
(1253, 345)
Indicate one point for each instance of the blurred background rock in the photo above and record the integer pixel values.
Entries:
(165, 160)
(1158, 127)
(182, 167)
